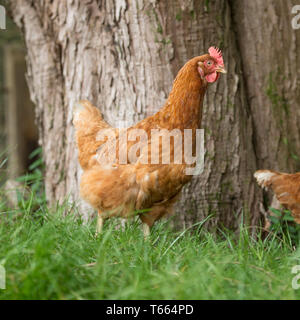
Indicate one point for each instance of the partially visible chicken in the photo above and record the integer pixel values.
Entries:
(285, 186)
(122, 189)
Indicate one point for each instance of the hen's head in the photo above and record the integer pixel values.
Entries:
(210, 65)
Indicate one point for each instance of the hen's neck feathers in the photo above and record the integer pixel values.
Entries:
(183, 109)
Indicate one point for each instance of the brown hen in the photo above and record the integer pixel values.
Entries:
(136, 187)
(285, 186)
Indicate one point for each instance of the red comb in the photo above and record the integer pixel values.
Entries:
(216, 54)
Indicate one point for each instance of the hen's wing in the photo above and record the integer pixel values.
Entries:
(285, 186)
(160, 168)
(133, 186)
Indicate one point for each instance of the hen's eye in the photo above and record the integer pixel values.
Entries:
(209, 63)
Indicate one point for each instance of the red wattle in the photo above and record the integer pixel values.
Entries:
(212, 77)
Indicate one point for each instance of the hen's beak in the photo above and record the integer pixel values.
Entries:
(221, 69)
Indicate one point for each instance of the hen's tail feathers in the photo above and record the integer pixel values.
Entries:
(86, 116)
(285, 186)
(264, 177)
(88, 121)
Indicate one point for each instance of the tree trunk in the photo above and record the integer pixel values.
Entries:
(123, 55)
(269, 49)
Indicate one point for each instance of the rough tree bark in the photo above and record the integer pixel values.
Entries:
(269, 49)
(123, 56)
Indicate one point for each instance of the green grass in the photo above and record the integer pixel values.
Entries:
(49, 256)
(52, 254)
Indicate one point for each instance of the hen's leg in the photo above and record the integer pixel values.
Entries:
(148, 222)
(146, 230)
(100, 221)
(155, 214)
